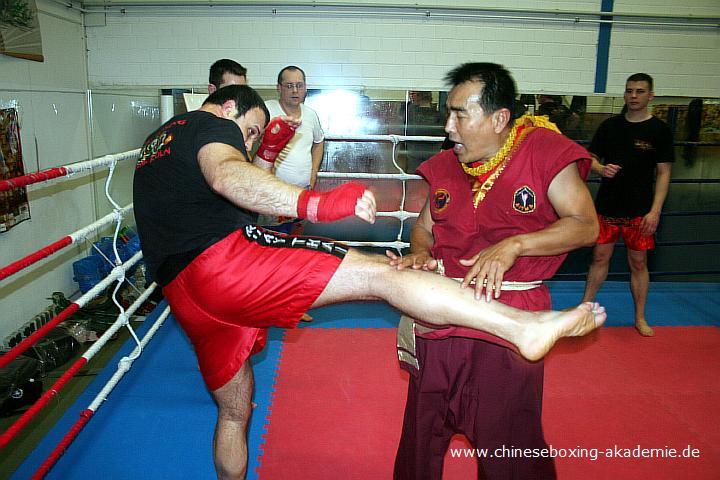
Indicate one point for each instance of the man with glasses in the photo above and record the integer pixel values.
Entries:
(299, 161)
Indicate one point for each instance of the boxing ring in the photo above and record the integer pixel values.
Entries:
(158, 420)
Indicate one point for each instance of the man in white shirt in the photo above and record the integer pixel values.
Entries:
(300, 160)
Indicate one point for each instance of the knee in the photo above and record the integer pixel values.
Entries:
(236, 416)
(601, 257)
(637, 263)
(370, 270)
(236, 471)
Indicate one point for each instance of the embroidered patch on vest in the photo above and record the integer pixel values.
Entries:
(524, 200)
(441, 199)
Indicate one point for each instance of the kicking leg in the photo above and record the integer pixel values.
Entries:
(234, 401)
(439, 300)
(639, 286)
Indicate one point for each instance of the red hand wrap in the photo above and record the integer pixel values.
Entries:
(277, 134)
(332, 205)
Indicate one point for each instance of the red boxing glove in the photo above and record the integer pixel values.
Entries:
(332, 205)
(277, 134)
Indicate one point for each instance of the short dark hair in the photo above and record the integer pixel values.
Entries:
(223, 66)
(641, 77)
(499, 90)
(246, 98)
(290, 68)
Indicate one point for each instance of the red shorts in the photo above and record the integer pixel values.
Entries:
(248, 281)
(611, 228)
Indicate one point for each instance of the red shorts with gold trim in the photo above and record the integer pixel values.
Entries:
(611, 228)
(248, 281)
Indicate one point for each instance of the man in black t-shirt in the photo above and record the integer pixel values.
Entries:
(633, 153)
(196, 198)
(226, 72)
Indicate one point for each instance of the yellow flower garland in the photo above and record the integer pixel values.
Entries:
(497, 159)
(502, 156)
(504, 151)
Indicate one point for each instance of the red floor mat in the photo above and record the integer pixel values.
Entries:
(337, 410)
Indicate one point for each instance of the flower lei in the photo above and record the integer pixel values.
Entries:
(499, 161)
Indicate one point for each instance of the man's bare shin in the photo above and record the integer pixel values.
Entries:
(234, 408)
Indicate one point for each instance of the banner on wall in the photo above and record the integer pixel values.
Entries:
(20, 30)
(14, 207)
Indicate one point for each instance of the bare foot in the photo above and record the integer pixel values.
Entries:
(538, 339)
(643, 328)
(306, 318)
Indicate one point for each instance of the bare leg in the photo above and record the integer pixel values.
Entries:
(234, 409)
(598, 270)
(639, 286)
(439, 300)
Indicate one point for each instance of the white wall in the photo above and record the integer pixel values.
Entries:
(175, 48)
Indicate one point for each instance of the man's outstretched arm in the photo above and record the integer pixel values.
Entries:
(229, 174)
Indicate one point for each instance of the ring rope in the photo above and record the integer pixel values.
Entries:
(384, 138)
(374, 176)
(67, 170)
(397, 245)
(118, 261)
(85, 415)
(117, 273)
(74, 238)
(403, 177)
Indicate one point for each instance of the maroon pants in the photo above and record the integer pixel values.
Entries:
(479, 389)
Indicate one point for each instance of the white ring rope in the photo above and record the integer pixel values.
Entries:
(74, 238)
(107, 160)
(403, 176)
(371, 176)
(66, 170)
(122, 320)
(126, 362)
(85, 232)
(384, 138)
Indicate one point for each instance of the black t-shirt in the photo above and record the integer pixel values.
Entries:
(177, 214)
(637, 148)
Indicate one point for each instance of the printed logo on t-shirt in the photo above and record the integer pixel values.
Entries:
(441, 199)
(158, 146)
(524, 200)
(643, 145)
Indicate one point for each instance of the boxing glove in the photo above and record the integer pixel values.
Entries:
(331, 205)
(277, 134)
